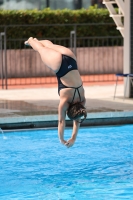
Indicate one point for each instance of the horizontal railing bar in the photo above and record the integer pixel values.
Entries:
(83, 24)
(87, 37)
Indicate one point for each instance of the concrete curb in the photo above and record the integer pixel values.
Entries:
(48, 121)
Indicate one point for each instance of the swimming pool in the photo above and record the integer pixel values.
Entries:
(34, 165)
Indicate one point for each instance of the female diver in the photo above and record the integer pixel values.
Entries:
(70, 88)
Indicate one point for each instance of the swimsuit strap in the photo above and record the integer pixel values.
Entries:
(79, 94)
(76, 89)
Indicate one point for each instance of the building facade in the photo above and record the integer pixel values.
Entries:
(53, 4)
(41, 4)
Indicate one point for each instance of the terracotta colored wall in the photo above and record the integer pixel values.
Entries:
(94, 60)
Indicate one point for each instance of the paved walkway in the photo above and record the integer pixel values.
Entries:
(38, 107)
(40, 101)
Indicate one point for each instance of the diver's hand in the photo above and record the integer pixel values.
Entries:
(63, 142)
(70, 142)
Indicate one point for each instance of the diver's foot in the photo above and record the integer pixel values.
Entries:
(36, 39)
(27, 43)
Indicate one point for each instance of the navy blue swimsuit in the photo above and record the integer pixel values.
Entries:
(68, 64)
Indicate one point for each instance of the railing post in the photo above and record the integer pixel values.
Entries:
(3, 60)
(73, 44)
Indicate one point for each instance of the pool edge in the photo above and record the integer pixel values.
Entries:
(48, 121)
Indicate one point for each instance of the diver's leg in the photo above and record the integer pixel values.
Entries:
(50, 57)
(59, 48)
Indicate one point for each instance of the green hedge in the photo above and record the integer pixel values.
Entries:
(62, 17)
(55, 24)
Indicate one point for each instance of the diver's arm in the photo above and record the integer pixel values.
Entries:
(72, 140)
(61, 121)
(76, 126)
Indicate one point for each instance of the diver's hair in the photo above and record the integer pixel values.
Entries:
(76, 110)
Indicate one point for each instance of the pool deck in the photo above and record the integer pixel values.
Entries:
(34, 108)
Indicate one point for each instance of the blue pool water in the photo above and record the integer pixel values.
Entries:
(34, 165)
